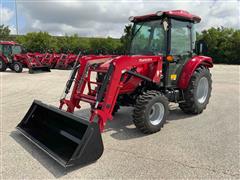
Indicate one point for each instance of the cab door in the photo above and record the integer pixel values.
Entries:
(7, 52)
(181, 48)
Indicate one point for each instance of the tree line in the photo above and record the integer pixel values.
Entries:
(43, 42)
(223, 43)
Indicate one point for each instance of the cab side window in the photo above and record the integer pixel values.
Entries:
(180, 38)
(157, 42)
(7, 50)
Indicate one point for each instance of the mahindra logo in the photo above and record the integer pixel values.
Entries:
(145, 60)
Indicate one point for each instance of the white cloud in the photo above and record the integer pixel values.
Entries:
(6, 15)
(108, 18)
(13, 29)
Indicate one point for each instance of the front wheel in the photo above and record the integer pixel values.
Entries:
(150, 112)
(198, 93)
(17, 67)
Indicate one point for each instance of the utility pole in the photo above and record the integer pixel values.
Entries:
(16, 16)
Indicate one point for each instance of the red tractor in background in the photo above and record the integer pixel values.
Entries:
(161, 67)
(66, 61)
(50, 59)
(12, 56)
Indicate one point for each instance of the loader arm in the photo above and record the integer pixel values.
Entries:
(116, 71)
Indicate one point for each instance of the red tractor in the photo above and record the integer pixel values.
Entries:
(8, 49)
(66, 61)
(50, 60)
(12, 56)
(161, 67)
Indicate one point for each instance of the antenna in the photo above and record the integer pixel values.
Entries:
(16, 16)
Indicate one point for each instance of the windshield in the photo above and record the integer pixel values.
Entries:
(148, 38)
(16, 49)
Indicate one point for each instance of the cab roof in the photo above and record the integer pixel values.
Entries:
(8, 43)
(177, 14)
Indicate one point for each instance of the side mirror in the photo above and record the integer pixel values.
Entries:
(201, 47)
(24, 51)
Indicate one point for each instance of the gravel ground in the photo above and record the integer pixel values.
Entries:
(203, 146)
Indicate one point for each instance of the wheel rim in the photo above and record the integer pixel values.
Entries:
(156, 113)
(16, 67)
(202, 90)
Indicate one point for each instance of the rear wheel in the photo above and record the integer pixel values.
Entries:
(198, 92)
(150, 112)
(17, 67)
(3, 65)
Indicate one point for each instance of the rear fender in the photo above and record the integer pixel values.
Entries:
(190, 67)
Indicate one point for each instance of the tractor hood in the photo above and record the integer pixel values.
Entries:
(125, 63)
(125, 60)
(106, 64)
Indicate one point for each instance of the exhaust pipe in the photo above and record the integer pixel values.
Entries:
(66, 138)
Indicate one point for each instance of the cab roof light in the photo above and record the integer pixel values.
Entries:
(159, 13)
(131, 18)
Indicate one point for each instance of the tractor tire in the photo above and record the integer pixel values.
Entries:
(3, 65)
(150, 112)
(198, 92)
(17, 67)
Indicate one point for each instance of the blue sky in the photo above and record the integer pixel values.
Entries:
(108, 17)
(10, 5)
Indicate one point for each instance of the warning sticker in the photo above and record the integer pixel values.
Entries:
(173, 77)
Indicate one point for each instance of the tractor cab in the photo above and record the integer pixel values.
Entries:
(9, 49)
(170, 34)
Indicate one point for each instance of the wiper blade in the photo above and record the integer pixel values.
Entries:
(138, 30)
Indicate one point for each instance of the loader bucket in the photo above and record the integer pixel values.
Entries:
(66, 138)
(36, 69)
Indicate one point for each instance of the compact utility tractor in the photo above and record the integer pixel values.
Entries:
(13, 56)
(8, 49)
(161, 67)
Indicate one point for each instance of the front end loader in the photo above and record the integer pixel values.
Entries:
(50, 59)
(32, 61)
(66, 61)
(161, 67)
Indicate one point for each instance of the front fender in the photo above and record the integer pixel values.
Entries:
(3, 58)
(190, 67)
(18, 57)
